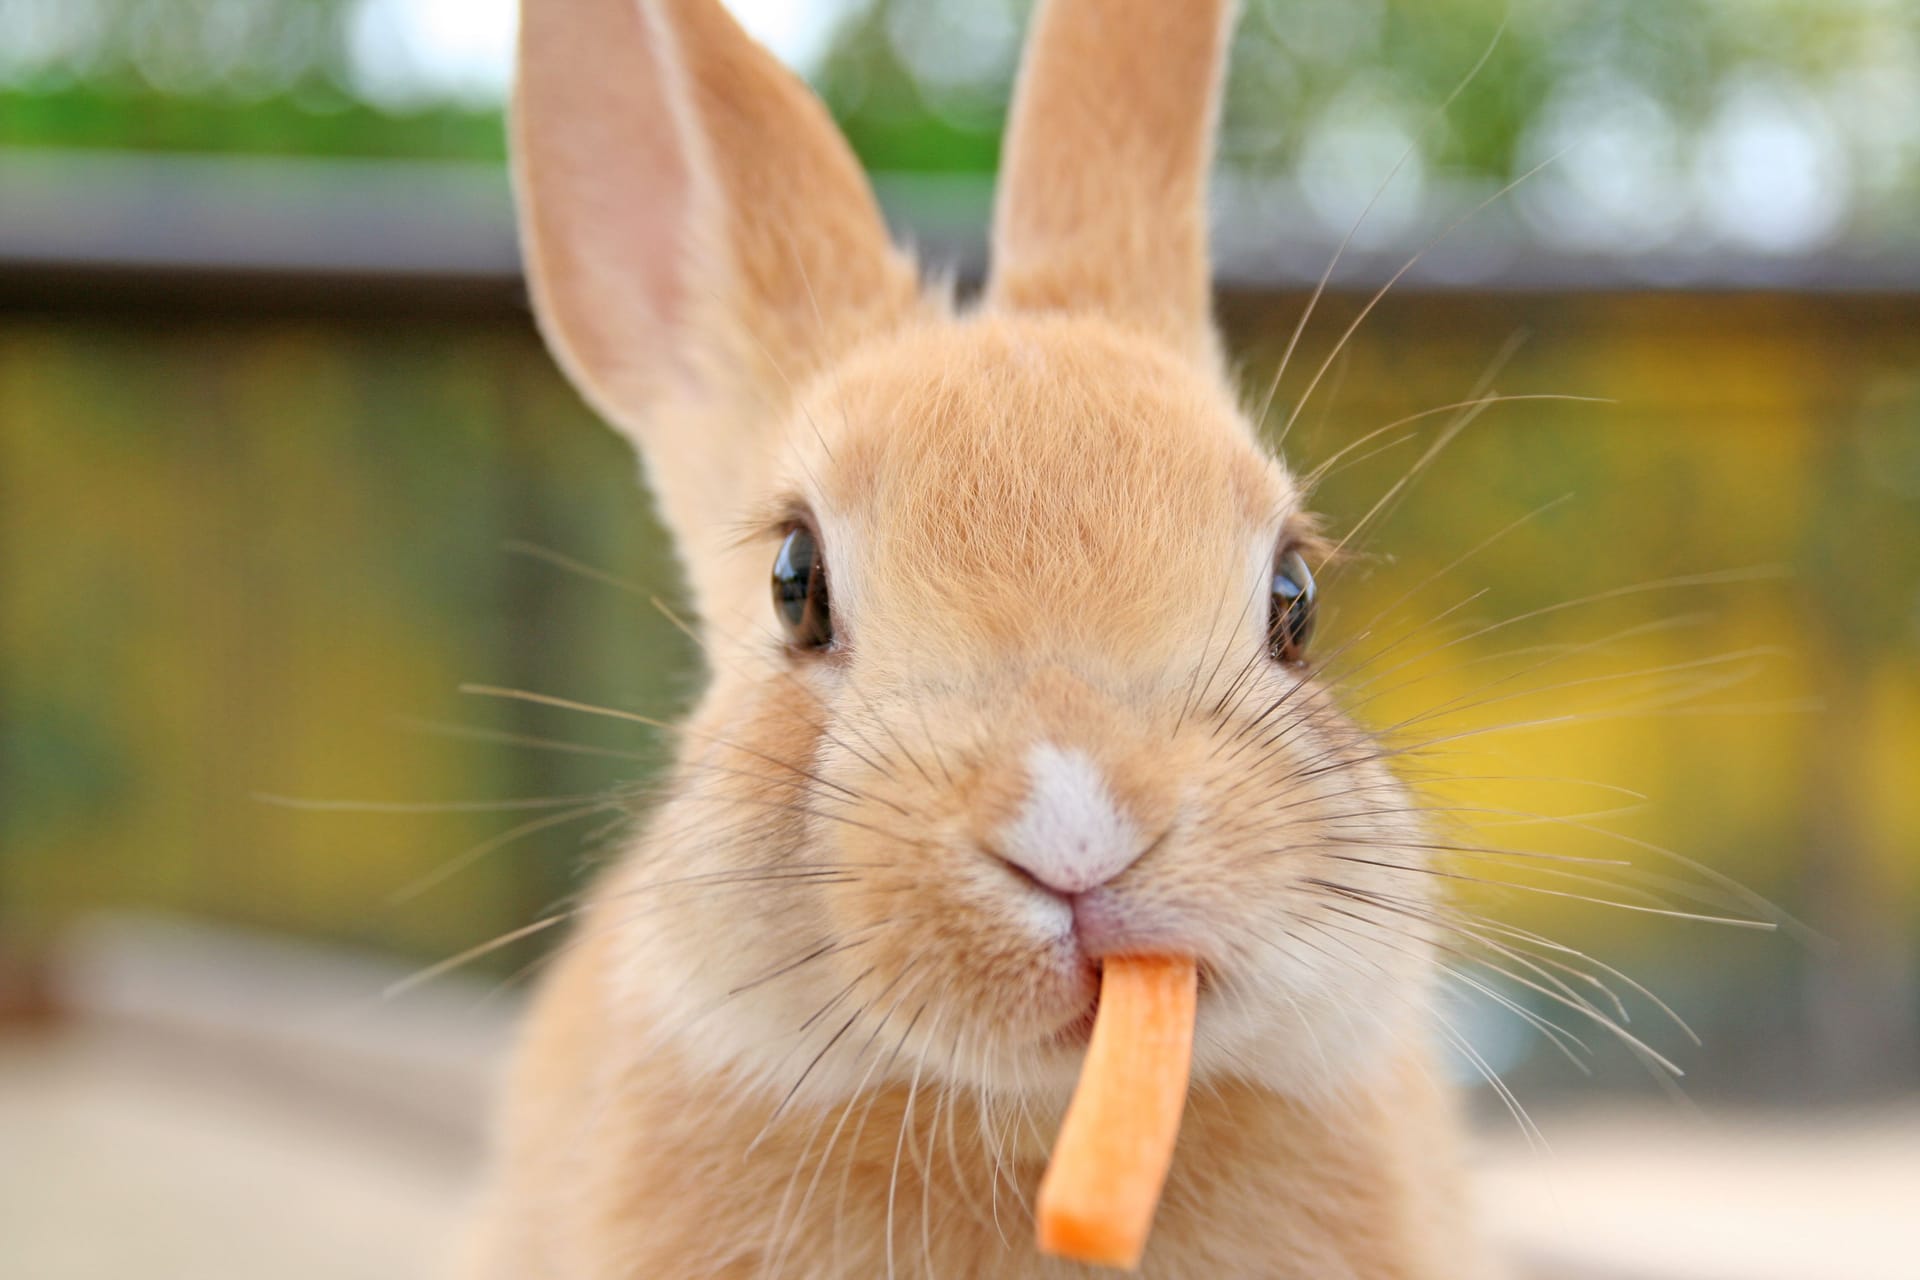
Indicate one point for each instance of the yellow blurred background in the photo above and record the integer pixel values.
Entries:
(249, 560)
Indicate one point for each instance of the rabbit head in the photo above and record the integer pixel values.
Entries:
(1007, 610)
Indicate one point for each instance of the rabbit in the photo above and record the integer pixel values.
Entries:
(1008, 618)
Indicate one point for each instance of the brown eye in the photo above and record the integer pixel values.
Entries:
(1290, 616)
(800, 590)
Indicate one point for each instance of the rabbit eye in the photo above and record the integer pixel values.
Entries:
(1290, 616)
(800, 590)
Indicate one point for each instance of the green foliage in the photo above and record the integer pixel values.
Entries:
(248, 560)
(921, 85)
(321, 121)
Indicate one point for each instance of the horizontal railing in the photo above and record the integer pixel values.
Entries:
(80, 228)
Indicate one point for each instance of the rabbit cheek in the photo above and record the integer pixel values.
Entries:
(1319, 891)
(959, 944)
(986, 966)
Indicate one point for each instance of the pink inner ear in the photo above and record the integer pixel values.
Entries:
(604, 189)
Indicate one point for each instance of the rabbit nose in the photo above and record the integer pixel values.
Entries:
(1069, 834)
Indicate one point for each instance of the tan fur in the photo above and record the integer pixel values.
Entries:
(812, 1024)
(686, 297)
(1107, 152)
(635, 1170)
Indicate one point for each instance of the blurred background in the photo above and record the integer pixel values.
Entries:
(282, 465)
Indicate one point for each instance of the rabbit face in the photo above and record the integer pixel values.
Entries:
(1043, 722)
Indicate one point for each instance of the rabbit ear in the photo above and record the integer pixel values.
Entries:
(698, 236)
(1102, 199)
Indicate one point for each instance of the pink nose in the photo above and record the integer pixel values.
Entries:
(1110, 922)
(1072, 874)
(1097, 921)
(1103, 922)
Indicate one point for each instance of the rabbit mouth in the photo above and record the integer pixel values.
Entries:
(1075, 1033)
(1082, 982)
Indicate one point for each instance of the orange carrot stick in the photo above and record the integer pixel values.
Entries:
(1110, 1161)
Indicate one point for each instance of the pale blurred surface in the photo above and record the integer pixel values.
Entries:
(197, 1128)
(121, 1161)
(120, 1155)
(215, 1103)
(1658, 1191)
